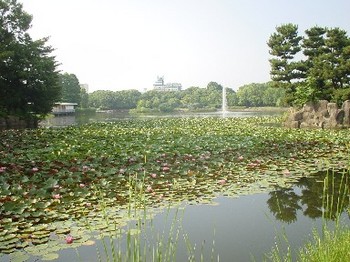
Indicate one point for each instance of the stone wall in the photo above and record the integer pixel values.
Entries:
(13, 122)
(320, 114)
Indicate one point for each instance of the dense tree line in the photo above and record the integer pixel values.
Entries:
(193, 98)
(105, 99)
(324, 70)
(28, 74)
(260, 94)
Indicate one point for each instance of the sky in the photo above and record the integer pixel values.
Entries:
(125, 44)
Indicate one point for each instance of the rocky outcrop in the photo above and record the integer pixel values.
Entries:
(320, 114)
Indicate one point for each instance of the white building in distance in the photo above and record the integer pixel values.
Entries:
(160, 86)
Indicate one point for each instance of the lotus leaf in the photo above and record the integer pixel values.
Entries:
(49, 257)
(19, 257)
(102, 171)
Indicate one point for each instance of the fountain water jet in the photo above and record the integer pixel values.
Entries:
(224, 100)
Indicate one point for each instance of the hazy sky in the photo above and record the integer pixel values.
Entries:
(125, 44)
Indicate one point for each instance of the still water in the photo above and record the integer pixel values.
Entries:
(110, 116)
(233, 229)
(245, 228)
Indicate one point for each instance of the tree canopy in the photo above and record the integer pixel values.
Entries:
(105, 99)
(28, 74)
(324, 71)
(70, 88)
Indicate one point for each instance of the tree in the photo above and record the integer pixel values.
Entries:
(213, 86)
(28, 75)
(325, 74)
(71, 90)
(104, 99)
(285, 71)
(84, 98)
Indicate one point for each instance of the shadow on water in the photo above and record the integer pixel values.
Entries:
(245, 228)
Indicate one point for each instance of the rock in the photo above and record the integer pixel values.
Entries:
(293, 124)
(332, 109)
(320, 114)
(346, 109)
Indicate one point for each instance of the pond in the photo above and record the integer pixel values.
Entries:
(210, 186)
(243, 228)
(233, 229)
(79, 119)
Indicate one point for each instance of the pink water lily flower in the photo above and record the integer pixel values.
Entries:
(222, 181)
(286, 172)
(165, 169)
(153, 175)
(149, 189)
(57, 196)
(81, 185)
(35, 169)
(69, 239)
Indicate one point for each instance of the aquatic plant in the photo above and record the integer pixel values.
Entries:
(48, 177)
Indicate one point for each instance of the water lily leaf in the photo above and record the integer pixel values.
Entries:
(9, 242)
(22, 245)
(39, 241)
(49, 257)
(63, 231)
(19, 257)
(89, 243)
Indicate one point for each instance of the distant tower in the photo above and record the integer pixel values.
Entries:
(159, 84)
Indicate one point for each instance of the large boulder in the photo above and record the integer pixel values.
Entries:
(320, 114)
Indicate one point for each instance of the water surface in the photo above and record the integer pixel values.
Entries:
(246, 228)
(110, 116)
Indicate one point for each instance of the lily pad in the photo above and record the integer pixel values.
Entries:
(50, 257)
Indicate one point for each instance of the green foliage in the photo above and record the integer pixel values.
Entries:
(84, 98)
(325, 70)
(71, 91)
(284, 45)
(28, 75)
(306, 93)
(333, 246)
(264, 94)
(193, 98)
(104, 99)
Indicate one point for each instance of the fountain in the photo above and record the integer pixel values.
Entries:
(224, 100)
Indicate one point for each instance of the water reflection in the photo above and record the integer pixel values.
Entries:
(325, 194)
(237, 229)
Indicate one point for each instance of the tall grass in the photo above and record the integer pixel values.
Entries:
(333, 242)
